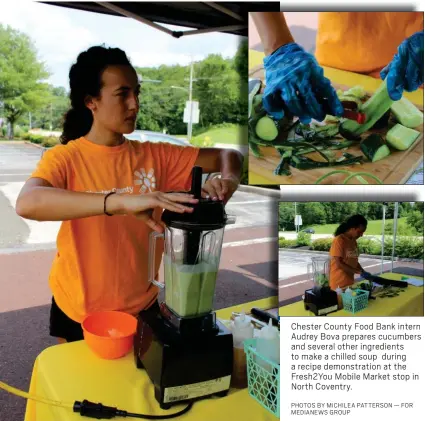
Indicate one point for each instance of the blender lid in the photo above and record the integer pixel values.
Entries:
(207, 214)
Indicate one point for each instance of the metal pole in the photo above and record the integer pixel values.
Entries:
(383, 237)
(394, 233)
(30, 120)
(295, 218)
(189, 127)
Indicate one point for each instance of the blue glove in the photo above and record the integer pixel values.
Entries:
(295, 85)
(406, 70)
(365, 275)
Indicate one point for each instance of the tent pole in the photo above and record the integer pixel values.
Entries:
(394, 233)
(124, 12)
(383, 238)
(218, 29)
(224, 10)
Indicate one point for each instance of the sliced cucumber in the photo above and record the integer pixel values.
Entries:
(407, 113)
(374, 148)
(357, 91)
(266, 129)
(374, 108)
(401, 138)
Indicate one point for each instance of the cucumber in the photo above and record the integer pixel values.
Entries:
(382, 123)
(374, 108)
(374, 148)
(357, 91)
(266, 129)
(401, 138)
(407, 114)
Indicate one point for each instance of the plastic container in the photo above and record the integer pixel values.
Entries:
(263, 384)
(109, 334)
(355, 303)
(268, 344)
(242, 330)
(339, 297)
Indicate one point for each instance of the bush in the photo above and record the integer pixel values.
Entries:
(18, 132)
(36, 138)
(303, 239)
(50, 141)
(284, 243)
(403, 228)
(369, 246)
(26, 136)
(4, 130)
(322, 244)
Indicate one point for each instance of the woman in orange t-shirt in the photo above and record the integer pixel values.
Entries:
(108, 192)
(344, 252)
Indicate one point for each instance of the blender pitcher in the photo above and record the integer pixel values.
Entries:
(192, 253)
(318, 270)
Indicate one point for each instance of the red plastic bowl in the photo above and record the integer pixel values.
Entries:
(109, 334)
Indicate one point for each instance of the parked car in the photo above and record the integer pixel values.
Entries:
(309, 231)
(145, 135)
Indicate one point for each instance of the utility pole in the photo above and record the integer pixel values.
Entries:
(189, 126)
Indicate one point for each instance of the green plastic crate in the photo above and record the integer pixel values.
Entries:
(357, 303)
(263, 382)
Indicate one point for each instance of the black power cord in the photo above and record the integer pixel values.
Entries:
(99, 411)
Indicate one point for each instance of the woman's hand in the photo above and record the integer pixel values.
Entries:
(220, 188)
(142, 206)
(406, 70)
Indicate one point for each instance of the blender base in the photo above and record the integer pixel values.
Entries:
(185, 367)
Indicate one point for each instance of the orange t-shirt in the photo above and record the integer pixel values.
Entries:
(344, 247)
(102, 261)
(363, 42)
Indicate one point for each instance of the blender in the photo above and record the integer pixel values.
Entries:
(186, 352)
(320, 299)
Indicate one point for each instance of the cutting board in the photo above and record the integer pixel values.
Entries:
(395, 169)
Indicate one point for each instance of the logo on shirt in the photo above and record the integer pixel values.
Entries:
(146, 180)
(352, 254)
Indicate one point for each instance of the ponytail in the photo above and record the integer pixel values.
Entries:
(77, 123)
(352, 222)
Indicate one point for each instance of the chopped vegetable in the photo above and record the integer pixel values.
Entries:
(382, 123)
(266, 129)
(407, 113)
(351, 175)
(374, 148)
(401, 138)
(374, 108)
(357, 91)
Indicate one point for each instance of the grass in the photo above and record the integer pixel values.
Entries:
(233, 134)
(373, 227)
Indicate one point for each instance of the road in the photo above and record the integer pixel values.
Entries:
(294, 278)
(248, 269)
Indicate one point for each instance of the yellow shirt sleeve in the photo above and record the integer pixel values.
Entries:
(337, 248)
(52, 167)
(178, 162)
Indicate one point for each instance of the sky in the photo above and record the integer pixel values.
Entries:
(60, 34)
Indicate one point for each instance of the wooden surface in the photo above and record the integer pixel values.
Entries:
(395, 169)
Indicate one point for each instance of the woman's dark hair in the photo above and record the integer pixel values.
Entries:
(352, 222)
(85, 78)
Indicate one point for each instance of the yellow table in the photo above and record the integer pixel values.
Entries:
(71, 372)
(338, 77)
(408, 303)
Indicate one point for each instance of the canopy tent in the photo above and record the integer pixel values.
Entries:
(203, 17)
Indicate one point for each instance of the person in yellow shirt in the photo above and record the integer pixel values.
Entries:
(110, 192)
(380, 44)
(344, 252)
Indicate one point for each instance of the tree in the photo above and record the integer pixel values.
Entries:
(21, 76)
(286, 216)
(313, 213)
(416, 221)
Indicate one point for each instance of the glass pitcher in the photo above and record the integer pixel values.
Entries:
(191, 261)
(318, 271)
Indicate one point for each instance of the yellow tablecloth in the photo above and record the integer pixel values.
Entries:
(336, 76)
(71, 372)
(408, 303)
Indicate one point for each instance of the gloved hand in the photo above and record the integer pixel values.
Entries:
(295, 84)
(365, 275)
(406, 70)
